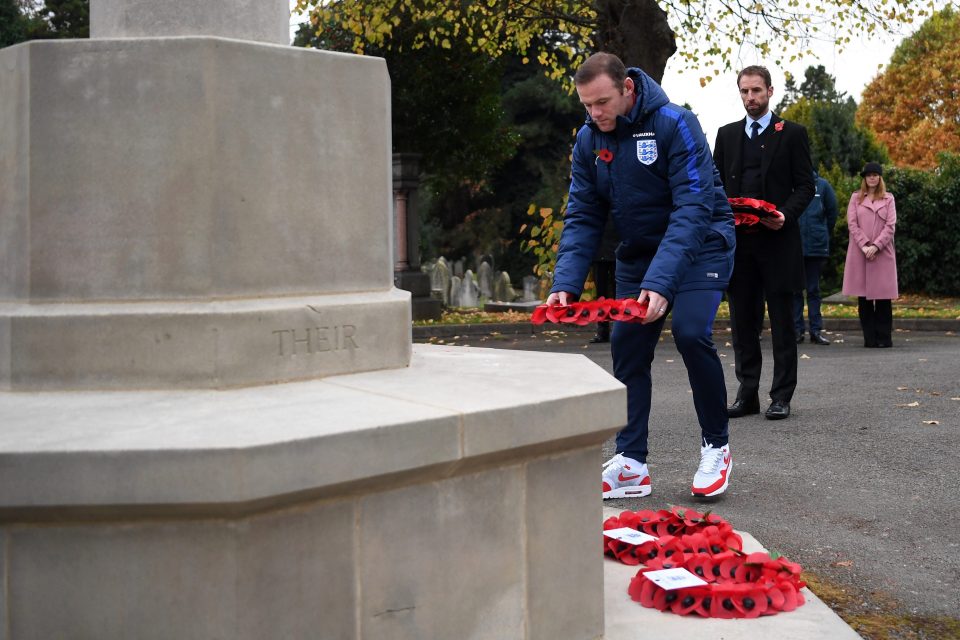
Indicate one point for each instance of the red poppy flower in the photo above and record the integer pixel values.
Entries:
(748, 601)
(556, 313)
(779, 126)
(702, 565)
(539, 315)
(604, 154)
(744, 219)
(722, 605)
(687, 601)
(690, 517)
(642, 590)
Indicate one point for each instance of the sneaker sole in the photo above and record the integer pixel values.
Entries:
(628, 492)
(715, 492)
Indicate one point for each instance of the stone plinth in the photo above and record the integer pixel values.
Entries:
(172, 210)
(456, 498)
(260, 20)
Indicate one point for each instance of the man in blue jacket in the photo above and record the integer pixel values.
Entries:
(645, 163)
(816, 226)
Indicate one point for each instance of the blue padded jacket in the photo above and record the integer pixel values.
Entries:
(664, 194)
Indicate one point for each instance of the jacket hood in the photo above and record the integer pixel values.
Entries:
(650, 97)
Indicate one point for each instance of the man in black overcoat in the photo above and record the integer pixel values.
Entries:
(763, 156)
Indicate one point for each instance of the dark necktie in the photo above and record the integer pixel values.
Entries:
(754, 130)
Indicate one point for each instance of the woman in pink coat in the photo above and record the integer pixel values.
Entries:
(871, 268)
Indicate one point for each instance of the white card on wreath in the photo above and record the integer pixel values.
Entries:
(628, 535)
(677, 578)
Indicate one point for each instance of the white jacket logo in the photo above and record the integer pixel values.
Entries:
(647, 151)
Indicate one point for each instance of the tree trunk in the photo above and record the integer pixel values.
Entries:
(637, 31)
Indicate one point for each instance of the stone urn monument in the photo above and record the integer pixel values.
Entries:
(213, 422)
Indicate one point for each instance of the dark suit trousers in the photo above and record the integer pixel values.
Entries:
(747, 291)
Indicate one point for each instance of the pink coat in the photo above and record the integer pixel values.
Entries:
(871, 222)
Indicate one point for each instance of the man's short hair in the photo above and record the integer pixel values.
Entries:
(601, 64)
(756, 70)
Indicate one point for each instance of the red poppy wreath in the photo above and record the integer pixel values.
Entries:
(749, 211)
(582, 313)
(737, 584)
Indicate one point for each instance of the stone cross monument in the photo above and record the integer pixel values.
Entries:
(213, 421)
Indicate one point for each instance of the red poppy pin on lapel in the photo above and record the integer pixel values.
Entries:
(778, 126)
(604, 154)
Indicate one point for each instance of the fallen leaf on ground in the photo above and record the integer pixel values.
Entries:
(843, 563)
(910, 404)
(804, 357)
(903, 388)
(955, 398)
(931, 422)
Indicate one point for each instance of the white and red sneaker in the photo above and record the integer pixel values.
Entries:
(713, 476)
(624, 477)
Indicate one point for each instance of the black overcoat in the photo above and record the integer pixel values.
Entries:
(787, 176)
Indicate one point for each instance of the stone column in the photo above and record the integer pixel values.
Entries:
(407, 274)
(179, 214)
(257, 20)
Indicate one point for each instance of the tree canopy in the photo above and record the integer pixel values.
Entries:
(836, 140)
(914, 105)
(22, 20)
(710, 33)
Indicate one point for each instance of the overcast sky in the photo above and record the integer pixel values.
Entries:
(719, 102)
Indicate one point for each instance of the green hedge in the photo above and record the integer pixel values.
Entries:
(928, 227)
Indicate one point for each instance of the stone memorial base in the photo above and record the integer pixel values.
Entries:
(455, 498)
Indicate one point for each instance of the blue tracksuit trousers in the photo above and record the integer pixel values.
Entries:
(633, 345)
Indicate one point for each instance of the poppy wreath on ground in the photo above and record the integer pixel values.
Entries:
(748, 211)
(739, 585)
(583, 313)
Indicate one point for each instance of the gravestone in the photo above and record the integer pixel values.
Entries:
(458, 268)
(502, 290)
(485, 279)
(531, 288)
(469, 291)
(440, 280)
(213, 421)
(456, 291)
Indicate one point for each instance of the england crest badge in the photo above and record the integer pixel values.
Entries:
(647, 151)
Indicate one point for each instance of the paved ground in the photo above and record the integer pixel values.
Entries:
(859, 485)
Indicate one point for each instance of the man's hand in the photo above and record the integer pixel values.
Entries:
(656, 305)
(774, 223)
(870, 251)
(560, 297)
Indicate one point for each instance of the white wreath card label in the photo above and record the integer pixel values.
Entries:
(678, 578)
(628, 535)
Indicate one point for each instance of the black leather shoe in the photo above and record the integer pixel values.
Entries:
(817, 338)
(742, 408)
(603, 333)
(778, 410)
(799, 338)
